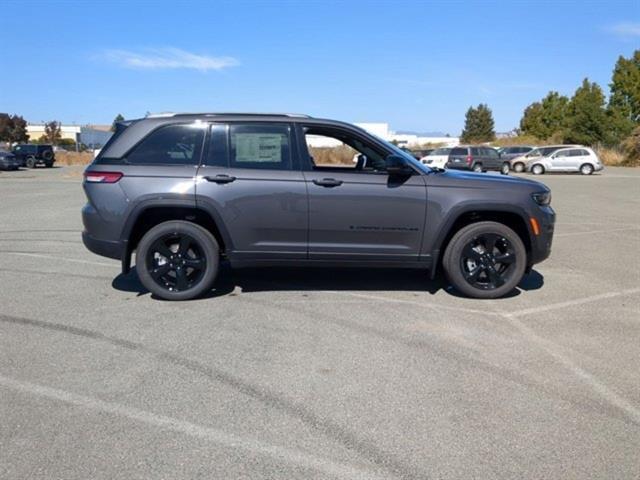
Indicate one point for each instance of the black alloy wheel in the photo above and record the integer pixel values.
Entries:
(485, 260)
(177, 260)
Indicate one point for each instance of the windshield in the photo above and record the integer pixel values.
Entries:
(441, 151)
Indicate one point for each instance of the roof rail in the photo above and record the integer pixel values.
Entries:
(230, 114)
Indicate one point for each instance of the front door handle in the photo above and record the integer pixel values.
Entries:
(328, 182)
(220, 179)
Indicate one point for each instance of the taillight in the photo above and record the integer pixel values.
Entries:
(469, 159)
(102, 177)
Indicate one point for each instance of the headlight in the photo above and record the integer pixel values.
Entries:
(542, 198)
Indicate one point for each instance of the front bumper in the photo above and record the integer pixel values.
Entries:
(541, 243)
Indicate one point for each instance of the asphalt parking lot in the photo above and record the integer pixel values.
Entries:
(305, 374)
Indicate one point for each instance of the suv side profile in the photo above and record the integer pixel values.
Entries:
(521, 163)
(184, 191)
(583, 160)
(477, 159)
(31, 155)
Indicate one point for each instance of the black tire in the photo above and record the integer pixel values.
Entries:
(477, 272)
(30, 162)
(47, 155)
(477, 168)
(188, 266)
(518, 167)
(586, 169)
(537, 169)
(504, 169)
(48, 164)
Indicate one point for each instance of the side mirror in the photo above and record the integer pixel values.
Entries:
(397, 165)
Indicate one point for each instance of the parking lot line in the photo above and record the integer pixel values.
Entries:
(57, 258)
(552, 349)
(286, 455)
(571, 303)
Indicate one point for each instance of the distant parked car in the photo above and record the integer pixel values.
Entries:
(31, 155)
(519, 164)
(8, 161)
(477, 158)
(438, 158)
(583, 160)
(513, 151)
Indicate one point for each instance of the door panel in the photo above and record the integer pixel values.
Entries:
(367, 216)
(261, 197)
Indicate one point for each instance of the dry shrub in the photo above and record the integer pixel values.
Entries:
(610, 156)
(74, 158)
(341, 155)
(631, 149)
(519, 140)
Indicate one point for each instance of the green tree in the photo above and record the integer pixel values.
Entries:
(545, 118)
(587, 121)
(52, 132)
(119, 118)
(624, 101)
(13, 128)
(478, 125)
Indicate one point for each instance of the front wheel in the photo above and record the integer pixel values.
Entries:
(504, 170)
(30, 162)
(177, 260)
(485, 260)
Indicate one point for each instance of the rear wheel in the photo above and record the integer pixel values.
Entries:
(177, 260)
(518, 167)
(504, 170)
(30, 162)
(586, 169)
(537, 169)
(485, 260)
(477, 168)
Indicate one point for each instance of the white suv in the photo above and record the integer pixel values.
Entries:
(574, 159)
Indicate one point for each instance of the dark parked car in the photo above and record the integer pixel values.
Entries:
(31, 155)
(507, 153)
(477, 158)
(8, 161)
(186, 190)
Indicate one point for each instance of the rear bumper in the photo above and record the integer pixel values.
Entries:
(105, 248)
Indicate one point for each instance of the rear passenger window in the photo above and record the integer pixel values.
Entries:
(265, 147)
(458, 151)
(170, 145)
(579, 153)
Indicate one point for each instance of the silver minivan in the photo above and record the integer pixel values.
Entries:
(582, 159)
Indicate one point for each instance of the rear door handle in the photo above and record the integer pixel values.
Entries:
(220, 179)
(328, 182)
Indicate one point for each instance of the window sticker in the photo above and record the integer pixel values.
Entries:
(258, 147)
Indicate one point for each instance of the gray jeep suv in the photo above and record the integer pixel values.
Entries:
(186, 190)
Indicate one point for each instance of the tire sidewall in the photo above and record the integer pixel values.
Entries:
(30, 162)
(206, 242)
(451, 259)
(518, 167)
(504, 170)
(537, 169)
(477, 168)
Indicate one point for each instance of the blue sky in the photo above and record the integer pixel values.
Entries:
(416, 65)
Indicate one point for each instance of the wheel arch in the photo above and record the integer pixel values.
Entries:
(513, 218)
(153, 212)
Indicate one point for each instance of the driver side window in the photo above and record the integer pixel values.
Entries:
(334, 149)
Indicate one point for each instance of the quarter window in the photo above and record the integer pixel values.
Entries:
(170, 145)
(264, 147)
